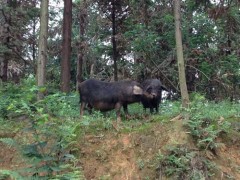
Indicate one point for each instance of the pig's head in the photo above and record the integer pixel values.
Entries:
(153, 92)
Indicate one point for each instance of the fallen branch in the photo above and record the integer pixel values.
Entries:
(179, 117)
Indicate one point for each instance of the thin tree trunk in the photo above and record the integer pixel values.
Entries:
(5, 40)
(145, 13)
(81, 46)
(182, 78)
(6, 55)
(181, 67)
(66, 47)
(42, 49)
(34, 50)
(5, 69)
(79, 68)
(92, 67)
(114, 44)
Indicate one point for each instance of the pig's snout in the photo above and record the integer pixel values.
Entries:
(154, 95)
(150, 95)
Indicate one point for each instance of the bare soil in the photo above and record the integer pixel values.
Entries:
(133, 155)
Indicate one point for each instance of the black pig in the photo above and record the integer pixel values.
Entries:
(152, 95)
(105, 96)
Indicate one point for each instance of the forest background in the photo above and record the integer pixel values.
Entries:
(141, 46)
(111, 40)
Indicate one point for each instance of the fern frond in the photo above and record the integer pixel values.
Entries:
(4, 174)
(9, 142)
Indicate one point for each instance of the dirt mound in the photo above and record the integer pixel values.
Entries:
(127, 155)
(109, 156)
(132, 155)
(228, 160)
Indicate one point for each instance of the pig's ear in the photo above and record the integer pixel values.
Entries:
(148, 89)
(137, 90)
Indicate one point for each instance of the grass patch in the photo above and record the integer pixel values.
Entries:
(183, 163)
(209, 120)
(53, 125)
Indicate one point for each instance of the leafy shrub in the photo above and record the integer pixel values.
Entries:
(170, 109)
(17, 100)
(208, 120)
(47, 146)
(49, 135)
(61, 105)
(183, 163)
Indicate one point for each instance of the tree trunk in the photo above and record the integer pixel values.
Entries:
(5, 69)
(66, 47)
(42, 47)
(114, 45)
(34, 45)
(5, 41)
(145, 13)
(79, 68)
(81, 46)
(181, 67)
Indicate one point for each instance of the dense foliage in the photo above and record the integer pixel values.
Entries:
(46, 133)
(145, 42)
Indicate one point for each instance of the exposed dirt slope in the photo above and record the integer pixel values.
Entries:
(133, 155)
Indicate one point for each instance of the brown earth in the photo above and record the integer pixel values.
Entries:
(133, 155)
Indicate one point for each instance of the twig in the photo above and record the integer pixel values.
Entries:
(178, 117)
(199, 71)
(166, 77)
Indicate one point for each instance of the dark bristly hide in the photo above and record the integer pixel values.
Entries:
(105, 96)
(152, 94)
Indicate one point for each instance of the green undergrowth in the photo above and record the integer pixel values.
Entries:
(210, 125)
(208, 121)
(51, 128)
(182, 162)
(43, 132)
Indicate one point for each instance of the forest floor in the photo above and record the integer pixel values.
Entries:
(135, 154)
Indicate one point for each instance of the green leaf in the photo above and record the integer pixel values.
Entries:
(9, 141)
(11, 174)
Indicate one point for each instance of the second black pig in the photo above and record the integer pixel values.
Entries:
(152, 95)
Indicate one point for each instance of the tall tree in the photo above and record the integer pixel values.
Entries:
(5, 40)
(181, 66)
(42, 47)
(16, 37)
(145, 16)
(66, 46)
(116, 12)
(114, 44)
(82, 18)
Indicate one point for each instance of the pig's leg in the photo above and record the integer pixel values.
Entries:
(125, 108)
(82, 106)
(89, 107)
(118, 114)
(151, 110)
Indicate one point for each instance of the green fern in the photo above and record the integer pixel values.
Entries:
(9, 142)
(6, 174)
